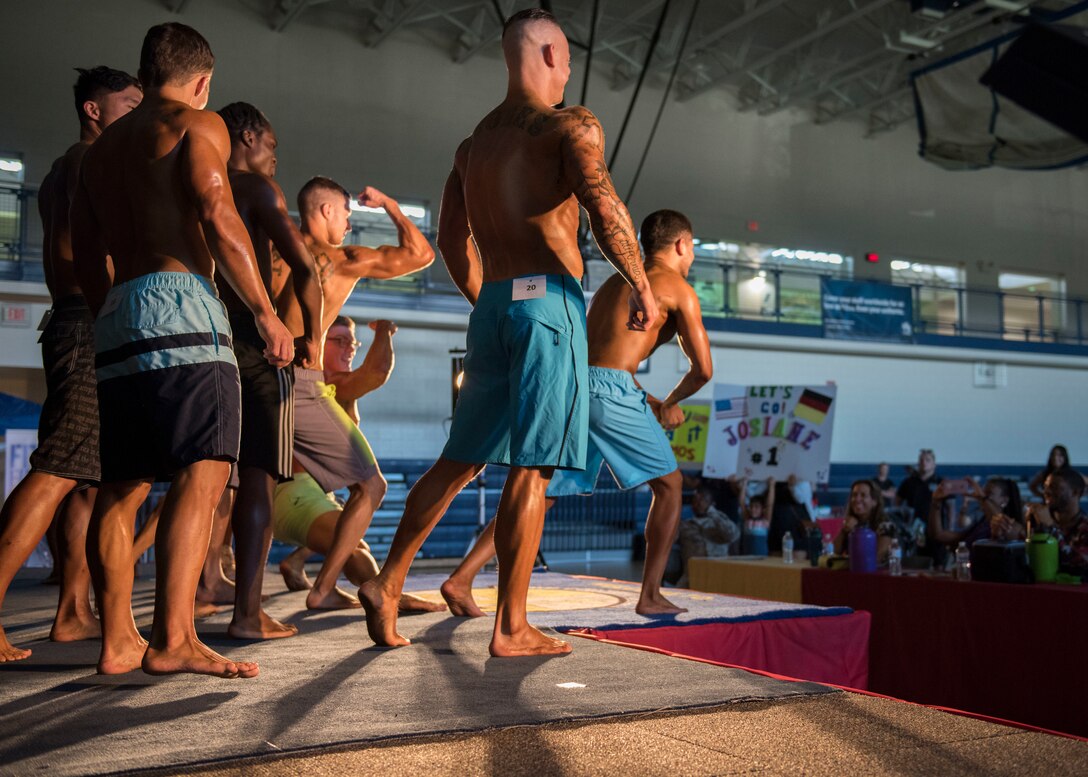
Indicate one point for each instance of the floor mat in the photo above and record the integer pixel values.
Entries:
(568, 602)
(331, 686)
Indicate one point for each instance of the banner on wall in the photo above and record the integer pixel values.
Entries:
(865, 310)
(760, 431)
(689, 439)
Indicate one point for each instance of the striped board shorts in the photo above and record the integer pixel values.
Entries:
(68, 428)
(268, 403)
(168, 386)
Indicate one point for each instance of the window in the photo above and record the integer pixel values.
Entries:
(12, 169)
(1033, 305)
(372, 227)
(937, 296)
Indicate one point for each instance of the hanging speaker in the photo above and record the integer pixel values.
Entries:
(1045, 71)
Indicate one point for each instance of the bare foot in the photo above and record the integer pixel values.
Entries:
(265, 627)
(459, 598)
(197, 658)
(336, 599)
(73, 628)
(122, 658)
(381, 616)
(658, 605)
(202, 610)
(9, 652)
(219, 592)
(294, 574)
(528, 641)
(410, 603)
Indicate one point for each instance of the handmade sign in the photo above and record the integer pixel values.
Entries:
(760, 431)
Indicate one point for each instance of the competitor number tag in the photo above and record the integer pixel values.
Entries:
(530, 287)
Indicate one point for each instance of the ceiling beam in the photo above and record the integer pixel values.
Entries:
(796, 43)
(383, 26)
(289, 10)
(827, 117)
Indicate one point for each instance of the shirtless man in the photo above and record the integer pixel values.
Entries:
(508, 234)
(625, 423)
(264, 458)
(154, 195)
(305, 515)
(65, 464)
(328, 444)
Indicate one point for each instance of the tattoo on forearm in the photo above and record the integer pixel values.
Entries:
(596, 192)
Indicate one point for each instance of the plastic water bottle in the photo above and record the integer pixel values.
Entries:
(895, 559)
(787, 548)
(829, 545)
(963, 562)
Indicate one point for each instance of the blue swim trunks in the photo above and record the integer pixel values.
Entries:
(624, 432)
(168, 387)
(523, 400)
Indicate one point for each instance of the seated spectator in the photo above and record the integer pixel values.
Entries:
(1058, 459)
(790, 514)
(1001, 516)
(708, 535)
(865, 508)
(723, 492)
(885, 483)
(1062, 516)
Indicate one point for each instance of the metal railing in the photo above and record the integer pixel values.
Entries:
(726, 290)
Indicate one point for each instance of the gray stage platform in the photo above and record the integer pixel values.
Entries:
(329, 686)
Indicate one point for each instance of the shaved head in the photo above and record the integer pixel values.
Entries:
(319, 190)
(530, 29)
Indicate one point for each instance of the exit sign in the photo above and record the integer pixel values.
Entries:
(15, 314)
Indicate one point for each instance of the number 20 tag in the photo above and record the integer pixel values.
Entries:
(530, 287)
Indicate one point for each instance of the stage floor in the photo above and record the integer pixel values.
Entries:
(328, 701)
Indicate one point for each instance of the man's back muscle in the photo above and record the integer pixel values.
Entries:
(140, 175)
(251, 190)
(523, 214)
(611, 343)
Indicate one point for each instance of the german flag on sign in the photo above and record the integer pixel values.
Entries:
(812, 407)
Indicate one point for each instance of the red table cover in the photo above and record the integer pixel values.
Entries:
(831, 649)
(1011, 651)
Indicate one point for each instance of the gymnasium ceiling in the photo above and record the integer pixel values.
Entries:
(829, 59)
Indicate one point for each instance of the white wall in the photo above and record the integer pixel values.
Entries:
(392, 117)
(892, 400)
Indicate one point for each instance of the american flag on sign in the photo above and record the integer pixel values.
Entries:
(732, 407)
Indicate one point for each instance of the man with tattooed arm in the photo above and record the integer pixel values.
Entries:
(508, 235)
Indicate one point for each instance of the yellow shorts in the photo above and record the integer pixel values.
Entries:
(297, 504)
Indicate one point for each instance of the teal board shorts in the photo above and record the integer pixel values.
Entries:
(169, 394)
(523, 400)
(623, 432)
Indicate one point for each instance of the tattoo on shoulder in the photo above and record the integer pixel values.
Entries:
(325, 266)
(531, 120)
(277, 262)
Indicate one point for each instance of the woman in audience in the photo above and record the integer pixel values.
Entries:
(865, 508)
(1058, 459)
(1001, 513)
